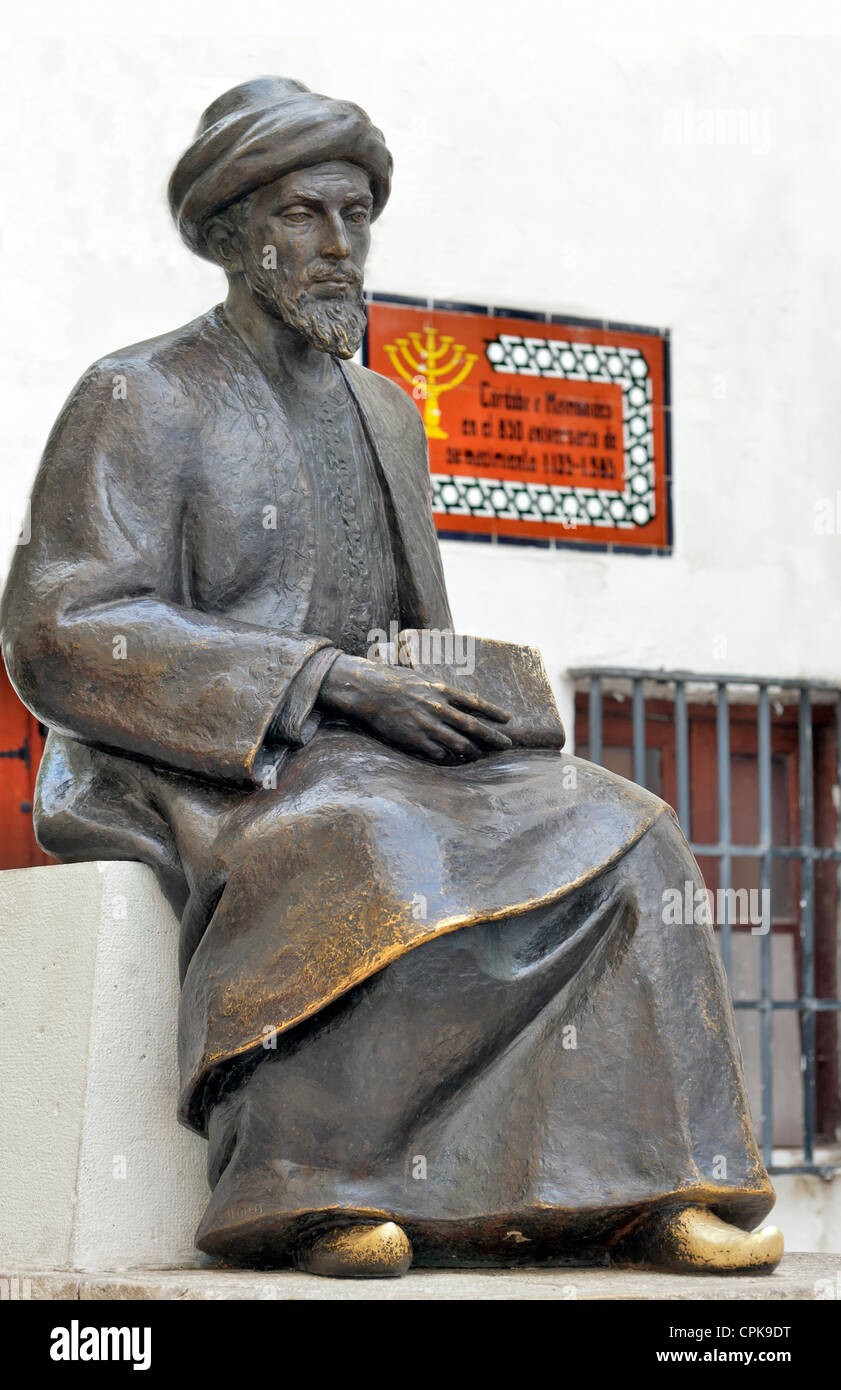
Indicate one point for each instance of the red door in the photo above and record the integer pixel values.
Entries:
(21, 746)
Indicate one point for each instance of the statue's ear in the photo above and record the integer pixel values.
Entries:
(222, 236)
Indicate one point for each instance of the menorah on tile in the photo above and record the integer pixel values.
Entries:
(427, 372)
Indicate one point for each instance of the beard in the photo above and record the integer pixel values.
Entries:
(335, 325)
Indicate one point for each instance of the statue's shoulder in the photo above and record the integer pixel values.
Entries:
(186, 355)
(176, 372)
(163, 384)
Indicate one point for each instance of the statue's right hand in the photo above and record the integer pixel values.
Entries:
(423, 717)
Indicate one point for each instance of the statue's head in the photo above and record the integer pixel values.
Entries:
(280, 188)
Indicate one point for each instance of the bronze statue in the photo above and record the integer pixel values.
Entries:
(430, 1008)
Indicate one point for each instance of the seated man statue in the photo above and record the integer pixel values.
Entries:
(430, 1009)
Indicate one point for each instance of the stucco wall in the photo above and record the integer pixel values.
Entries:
(682, 183)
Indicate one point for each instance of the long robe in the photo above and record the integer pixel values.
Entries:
(442, 922)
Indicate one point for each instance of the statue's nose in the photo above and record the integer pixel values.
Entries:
(336, 243)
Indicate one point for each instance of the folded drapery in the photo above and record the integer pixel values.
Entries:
(518, 1090)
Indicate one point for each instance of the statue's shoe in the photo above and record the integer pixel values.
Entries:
(692, 1240)
(358, 1252)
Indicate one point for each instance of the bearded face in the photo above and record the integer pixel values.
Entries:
(321, 303)
(303, 242)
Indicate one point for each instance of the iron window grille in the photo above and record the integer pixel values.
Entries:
(806, 854)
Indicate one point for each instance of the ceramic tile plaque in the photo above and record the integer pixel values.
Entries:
(540, 429)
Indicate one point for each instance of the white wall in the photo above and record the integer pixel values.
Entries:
(532, 171)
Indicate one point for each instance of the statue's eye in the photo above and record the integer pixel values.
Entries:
(358, 215)
(296, 215)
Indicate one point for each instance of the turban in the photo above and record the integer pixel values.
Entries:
(259, 131)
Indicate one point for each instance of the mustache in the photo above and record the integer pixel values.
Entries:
(346, 275)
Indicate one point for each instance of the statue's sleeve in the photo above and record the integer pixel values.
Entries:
(98, 638)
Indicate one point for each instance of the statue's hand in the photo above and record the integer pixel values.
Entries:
(402, 708)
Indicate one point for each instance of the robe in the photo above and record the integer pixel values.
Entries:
(389, 968)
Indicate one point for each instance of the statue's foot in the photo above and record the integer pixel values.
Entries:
(358, 1252)
(692, 1240)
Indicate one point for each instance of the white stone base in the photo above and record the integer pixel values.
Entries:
(805, 1277)
(95, 1172)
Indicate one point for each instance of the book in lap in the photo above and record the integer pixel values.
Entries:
(505, 673)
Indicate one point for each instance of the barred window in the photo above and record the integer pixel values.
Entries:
(752, 768)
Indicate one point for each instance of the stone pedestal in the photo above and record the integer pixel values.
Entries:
(95, 1171)
(804, 1277)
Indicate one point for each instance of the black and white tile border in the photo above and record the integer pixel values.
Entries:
(632, 506)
